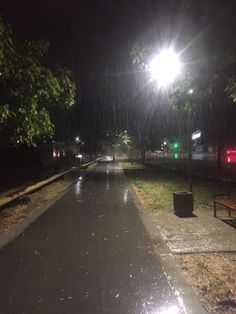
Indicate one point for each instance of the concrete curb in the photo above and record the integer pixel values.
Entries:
(8, 199)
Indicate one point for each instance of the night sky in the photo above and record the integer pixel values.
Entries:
(94, 39)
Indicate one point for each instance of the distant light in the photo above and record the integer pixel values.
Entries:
(165, 67)
(191, 91)
(196, 135)
(176, 145)
(164, 143)
(79, 156)
(232, 151)
(77, 139)
(231, 155)
(108, 158)
(56, 153)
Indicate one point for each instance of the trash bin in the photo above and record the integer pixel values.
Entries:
(183, 203)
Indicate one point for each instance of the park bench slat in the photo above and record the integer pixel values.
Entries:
(227, 202)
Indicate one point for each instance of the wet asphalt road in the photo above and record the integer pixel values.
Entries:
(89, 253)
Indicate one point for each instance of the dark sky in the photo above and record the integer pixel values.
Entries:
(94, 38)
(74, 27)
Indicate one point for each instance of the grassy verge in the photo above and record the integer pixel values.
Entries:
(155, 187)
(212, 276)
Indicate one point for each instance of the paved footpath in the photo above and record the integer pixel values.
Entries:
(89, 253)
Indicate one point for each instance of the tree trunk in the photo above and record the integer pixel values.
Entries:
(143, 155)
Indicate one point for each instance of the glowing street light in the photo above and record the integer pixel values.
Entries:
(191, 91)
(165, 67)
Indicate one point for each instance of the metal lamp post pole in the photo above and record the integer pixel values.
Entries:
(190, 177)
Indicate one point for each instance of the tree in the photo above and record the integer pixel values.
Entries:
(28, 90)
(127, 142)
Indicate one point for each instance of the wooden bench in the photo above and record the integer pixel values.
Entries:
(224, 200)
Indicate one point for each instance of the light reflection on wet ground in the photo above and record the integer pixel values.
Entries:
(93, 256)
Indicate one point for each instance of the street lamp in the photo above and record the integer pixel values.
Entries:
(190, 149)
(164, 68)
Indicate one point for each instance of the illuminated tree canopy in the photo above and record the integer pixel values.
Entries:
(28, 90)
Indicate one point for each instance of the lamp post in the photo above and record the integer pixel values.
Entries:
(164, 68)
(190, 177)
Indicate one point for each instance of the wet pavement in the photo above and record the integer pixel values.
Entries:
(89, 253)
(200, 233)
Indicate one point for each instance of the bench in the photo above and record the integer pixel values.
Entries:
(224, 200)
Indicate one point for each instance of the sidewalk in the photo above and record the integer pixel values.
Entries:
(203, 233)
(200, 233)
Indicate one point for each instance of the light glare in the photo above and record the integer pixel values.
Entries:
(165, 67)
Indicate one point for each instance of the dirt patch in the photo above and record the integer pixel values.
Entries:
(28, 204)
(213, 277)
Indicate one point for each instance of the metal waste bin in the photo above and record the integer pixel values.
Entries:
(183, 203)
